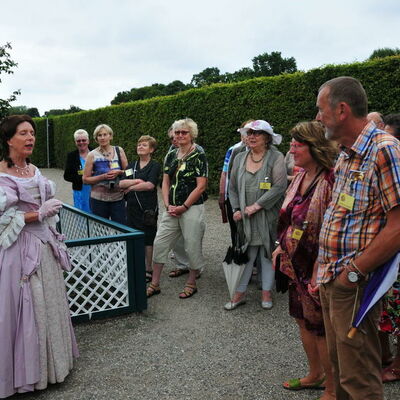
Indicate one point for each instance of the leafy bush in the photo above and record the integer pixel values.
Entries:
(219, 109)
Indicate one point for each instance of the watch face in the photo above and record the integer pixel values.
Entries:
(352, 276)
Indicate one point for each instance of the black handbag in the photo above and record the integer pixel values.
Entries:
(150, 218)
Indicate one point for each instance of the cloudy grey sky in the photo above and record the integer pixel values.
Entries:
(83, 52)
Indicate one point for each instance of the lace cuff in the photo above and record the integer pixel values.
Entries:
(11, 224)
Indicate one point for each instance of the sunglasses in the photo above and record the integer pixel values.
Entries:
(297, 145)
(255, 133)
(181, 132)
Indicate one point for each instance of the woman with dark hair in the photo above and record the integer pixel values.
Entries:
(140, 186)
(37, 342)
(299, 225)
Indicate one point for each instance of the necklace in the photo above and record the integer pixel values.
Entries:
(183, 157)
(256, 161)
(22, 170)
(105, 153)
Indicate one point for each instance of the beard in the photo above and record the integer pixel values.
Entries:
(329, 135)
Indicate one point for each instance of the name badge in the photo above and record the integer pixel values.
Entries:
(128, 172)
(80, 172)
(346, 201)
(114, 165)
(297, 234)
(182, 167)
(265, 185)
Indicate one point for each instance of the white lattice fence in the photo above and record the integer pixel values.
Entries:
(100, 282)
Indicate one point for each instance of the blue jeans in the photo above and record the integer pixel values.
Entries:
(114, 210)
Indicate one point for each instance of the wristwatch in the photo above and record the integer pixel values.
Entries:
(354, 276)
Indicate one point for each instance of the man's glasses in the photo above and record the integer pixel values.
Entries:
(181, 132)
(81, 141)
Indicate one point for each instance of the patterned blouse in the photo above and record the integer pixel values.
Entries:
(183, 173)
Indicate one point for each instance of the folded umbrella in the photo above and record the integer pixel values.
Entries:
(234, 264)
(380, 281)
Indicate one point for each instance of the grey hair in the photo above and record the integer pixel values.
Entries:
(188, 123)
(99, 128)
(81, 132)
(350, 91)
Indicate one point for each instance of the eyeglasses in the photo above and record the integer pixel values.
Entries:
(297, 145)
(181, 132)
(255, 133)
(81, 141)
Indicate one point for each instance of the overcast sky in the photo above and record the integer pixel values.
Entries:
(83, 52)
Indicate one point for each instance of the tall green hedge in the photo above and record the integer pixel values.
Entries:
(219, 109)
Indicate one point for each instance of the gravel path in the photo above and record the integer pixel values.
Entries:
(181, 349)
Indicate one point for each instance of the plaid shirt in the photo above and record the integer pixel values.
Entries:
(370, 173)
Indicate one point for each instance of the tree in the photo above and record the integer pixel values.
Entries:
(206, 77)
(238, 76)
(175, 87)
(273, 64)
(6, 67)
(18, 110)
(384, 52)
(61, 111)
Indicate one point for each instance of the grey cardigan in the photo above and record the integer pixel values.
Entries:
(270, 200)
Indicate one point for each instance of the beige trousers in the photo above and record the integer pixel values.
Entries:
(189, 227)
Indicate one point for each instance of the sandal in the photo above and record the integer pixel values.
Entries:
(393, 373)
(188, 291)
(295, 384)
(149, 276)
(152, 290)
(177, 272)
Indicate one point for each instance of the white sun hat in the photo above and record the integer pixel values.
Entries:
(261, 125)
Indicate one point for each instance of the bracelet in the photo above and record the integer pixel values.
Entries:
(184, 205)
(357, 269)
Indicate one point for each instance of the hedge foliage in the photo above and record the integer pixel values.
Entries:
(219, 109)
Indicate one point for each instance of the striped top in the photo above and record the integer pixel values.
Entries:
(367, 186)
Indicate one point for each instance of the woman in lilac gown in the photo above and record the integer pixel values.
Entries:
(37, 342)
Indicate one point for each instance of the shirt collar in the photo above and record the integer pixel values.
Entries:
(362, 143)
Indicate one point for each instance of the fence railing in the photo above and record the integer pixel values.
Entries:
(108, 270)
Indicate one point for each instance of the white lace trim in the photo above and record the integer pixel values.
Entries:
(11, 224)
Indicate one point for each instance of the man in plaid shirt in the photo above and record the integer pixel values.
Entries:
(361, 231)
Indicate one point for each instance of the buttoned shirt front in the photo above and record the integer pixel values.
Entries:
(367, 186)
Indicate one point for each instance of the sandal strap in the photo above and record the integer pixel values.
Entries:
(190, 285)
(153, 287)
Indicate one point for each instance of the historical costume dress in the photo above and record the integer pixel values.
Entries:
(37, 342)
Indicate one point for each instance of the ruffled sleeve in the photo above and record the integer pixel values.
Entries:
(12, 222)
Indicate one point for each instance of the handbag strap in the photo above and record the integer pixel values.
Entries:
(137, 198)
(118, 155)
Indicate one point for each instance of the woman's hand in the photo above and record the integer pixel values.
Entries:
(112, 174)
(176, 211)
(313, 290)
(275, 255)
(250, 210)
(237, 216)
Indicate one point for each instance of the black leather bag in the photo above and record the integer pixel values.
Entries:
(150, 218)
